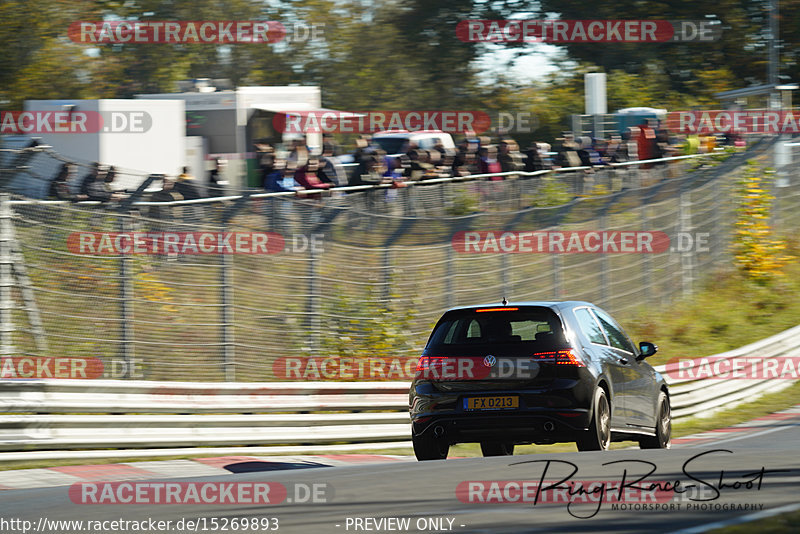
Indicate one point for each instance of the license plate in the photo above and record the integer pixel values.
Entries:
(491, 403)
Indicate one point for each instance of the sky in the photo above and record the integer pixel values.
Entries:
(531, 66)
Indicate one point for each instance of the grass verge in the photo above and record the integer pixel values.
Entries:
(780, 524)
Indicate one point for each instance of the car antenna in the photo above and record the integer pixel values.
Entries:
(504, 301)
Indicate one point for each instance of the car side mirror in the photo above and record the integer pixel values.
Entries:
(646, 349)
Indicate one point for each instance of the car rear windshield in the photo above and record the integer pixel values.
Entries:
(530, 326)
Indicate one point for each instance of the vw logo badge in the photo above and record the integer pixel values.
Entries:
(489, 361)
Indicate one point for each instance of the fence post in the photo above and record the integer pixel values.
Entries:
(687, 257)
(313, 300)
(556, 276)
(226, 285)
(387, 276)
(647, 264)
(724, 219)
(449, 300)
(6, 278)
(505, 268)
(604, 267)
(126, 304)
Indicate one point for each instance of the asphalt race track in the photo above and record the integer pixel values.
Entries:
(722, 467)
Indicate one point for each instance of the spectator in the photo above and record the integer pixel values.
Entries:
(394, 170)
(589, 156)
(616, 150)
(280, 178)
(568, 155)
(439, 147)
(299, 153)
(646, 143)
(306, 176)
(460, 156)
(266, 160)
(91, 177)
(533, 160)
(361, 159)
(434, 159)
(100, 188)
(488, 163)
(692, 145)
(328, 139)
(110, 175)
(375, 169)
(331, 170)
(216, 182)
(59, 187)
(445, 167)
(508, 156)
(664, 148)
(465, 161)
(266, 167)
(185, 186)
(167, 192)
(362, 142)
(417, 166)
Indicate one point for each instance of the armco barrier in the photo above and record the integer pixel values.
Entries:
(40, 414)
(133, 414)
(699, 397)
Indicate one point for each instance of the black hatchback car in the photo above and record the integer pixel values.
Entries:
(535, 372)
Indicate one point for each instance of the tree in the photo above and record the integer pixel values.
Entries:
(741, 48)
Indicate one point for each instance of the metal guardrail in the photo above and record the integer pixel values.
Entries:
(698, 397)
(130, 414)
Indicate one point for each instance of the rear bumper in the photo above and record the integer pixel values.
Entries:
(514, 427)
(559, 413)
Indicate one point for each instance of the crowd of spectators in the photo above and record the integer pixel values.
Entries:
(474, 155)
(300, 171)
(97, 185)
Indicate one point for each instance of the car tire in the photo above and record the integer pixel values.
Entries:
(663, 430)
(495, 448)
(428, 447)
(598, 436)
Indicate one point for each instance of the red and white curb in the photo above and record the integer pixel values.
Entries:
(198, 467)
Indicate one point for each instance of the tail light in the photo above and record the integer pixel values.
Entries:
(427, 362)
(559, 357)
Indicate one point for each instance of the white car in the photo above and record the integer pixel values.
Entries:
(396, 141)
